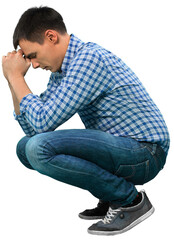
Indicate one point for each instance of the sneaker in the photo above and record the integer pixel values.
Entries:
(123, 219)
(96, 213)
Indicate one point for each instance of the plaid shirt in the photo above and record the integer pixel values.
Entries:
(103, 90)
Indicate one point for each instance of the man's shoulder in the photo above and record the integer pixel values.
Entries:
(92, 50)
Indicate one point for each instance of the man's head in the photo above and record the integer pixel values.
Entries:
(42, 36)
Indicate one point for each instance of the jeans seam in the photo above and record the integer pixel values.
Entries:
(111, 145)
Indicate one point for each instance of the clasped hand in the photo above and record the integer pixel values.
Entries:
(14, 65)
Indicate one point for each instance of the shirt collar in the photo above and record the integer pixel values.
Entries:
(74, 44)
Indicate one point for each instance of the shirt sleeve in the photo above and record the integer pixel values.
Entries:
(82, 84)
(28, 130)
(54, 81)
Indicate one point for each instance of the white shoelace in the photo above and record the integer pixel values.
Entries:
(110, 214)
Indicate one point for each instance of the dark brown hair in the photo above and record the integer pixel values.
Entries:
(34, 22)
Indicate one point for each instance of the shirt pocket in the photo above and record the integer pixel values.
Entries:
(136, 173)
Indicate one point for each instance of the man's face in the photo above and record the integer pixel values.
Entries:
(45, 56)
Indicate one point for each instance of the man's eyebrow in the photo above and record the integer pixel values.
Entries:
(31, 55)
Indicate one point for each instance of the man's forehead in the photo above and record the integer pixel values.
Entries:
(23, 44)
(28, 48)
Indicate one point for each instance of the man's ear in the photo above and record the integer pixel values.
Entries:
(52, 36)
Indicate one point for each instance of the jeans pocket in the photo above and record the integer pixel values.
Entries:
(136, 173)
(158, 157)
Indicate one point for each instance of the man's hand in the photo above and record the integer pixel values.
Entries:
(14, 65)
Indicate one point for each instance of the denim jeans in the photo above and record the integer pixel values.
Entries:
(107, 166)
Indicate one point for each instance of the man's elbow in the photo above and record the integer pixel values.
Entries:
(43, 128)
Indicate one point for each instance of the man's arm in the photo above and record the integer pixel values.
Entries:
(82, 84)
(15, 101)
(15, 75)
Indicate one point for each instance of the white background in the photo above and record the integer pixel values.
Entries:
(33, 206)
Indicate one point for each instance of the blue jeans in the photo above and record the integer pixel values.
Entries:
(107, 166)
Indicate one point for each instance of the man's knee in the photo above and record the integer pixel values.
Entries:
(35, 152)
(20, 151)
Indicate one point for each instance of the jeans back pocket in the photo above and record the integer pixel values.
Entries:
(136, 173)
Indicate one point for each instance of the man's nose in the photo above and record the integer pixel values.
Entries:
(34, 63)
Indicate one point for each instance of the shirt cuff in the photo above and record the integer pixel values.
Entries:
(17, 117)
(23, 105)
(25, 102)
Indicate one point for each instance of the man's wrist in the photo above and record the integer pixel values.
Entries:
(19, 86)
(12, 79)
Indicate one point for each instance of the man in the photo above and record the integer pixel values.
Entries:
(126, 140)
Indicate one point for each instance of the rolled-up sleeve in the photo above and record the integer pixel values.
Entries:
(54, 81)
(26, 127)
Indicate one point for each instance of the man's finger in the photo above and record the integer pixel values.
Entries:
(3, 58)
(8, 54)
(20, 52)
(14, 52)
(28, 61)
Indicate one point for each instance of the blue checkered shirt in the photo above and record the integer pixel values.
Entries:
(103, 90)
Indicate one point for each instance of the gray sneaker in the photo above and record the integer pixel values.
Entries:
(123, 219)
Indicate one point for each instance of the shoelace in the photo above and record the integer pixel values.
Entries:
(110, 214)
